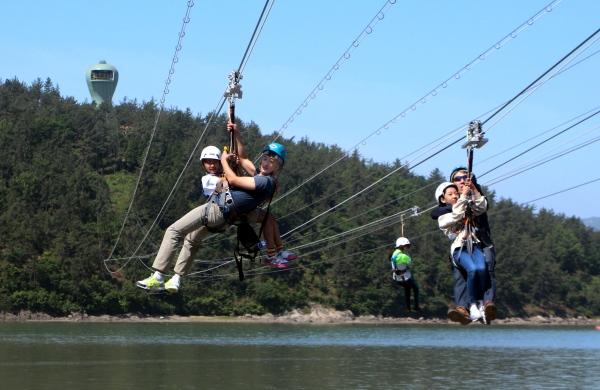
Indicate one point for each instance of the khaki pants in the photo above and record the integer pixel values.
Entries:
(192, 226)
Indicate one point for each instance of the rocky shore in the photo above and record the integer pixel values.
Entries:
(317, 314)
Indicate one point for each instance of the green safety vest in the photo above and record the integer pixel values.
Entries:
(399, 257)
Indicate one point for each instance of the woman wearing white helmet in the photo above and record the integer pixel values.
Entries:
(401, 273)
(211, 162)
(467, 200)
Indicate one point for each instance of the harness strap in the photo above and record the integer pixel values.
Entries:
(238, 263)
(238, 254)
(221, 201)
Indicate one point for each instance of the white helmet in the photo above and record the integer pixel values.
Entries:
(402, 241)
(210, 153)
(439, 191)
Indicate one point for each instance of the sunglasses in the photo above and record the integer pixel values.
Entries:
(270, 157)
(460, 178)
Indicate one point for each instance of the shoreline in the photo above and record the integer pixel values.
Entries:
(316, 316)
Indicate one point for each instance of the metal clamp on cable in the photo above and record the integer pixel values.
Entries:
(475, 137)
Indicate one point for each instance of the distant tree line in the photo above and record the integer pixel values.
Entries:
(68, 170)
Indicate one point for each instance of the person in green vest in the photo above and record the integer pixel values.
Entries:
(401, 273)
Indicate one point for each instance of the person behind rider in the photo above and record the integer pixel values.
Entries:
(244, 195)
(401, 261)
(459, 177)
(456, 227)
(277, 256)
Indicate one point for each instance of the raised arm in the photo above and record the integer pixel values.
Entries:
(243, 182)
(243, 160)
(479, 204)
(456, 216)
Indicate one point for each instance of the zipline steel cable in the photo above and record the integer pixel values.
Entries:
(257, 272)
(346, 55)
(543, 161)
(511, 174)
(439, 140)
(541, 143)
(174, 60)
(491, 183)
(504, 106)
(434, 92)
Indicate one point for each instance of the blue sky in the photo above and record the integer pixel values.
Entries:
(413, 48)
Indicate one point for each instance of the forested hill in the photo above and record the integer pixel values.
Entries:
(68, 171)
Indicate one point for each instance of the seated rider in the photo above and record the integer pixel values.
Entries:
(244, 195)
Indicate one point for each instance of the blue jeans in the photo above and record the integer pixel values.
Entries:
(460, 280)
(478, 278)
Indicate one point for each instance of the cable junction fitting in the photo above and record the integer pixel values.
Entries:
(475, 137)
(234, 88)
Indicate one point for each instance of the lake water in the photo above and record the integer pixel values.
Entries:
(257, 356)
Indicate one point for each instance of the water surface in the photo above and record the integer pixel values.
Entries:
(280, 356)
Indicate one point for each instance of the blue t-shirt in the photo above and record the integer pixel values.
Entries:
(245, 201)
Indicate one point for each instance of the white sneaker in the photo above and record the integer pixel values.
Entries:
(474, 313)
(287, 255)
(172, 285)
(482, 312)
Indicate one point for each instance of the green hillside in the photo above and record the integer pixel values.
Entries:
(68, 171)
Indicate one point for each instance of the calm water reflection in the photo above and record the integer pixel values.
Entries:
(251, 356)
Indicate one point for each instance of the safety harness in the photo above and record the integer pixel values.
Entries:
(248, 242)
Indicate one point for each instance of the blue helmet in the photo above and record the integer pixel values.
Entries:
(277, 149)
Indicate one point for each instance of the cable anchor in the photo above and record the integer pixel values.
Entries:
(415, 211)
